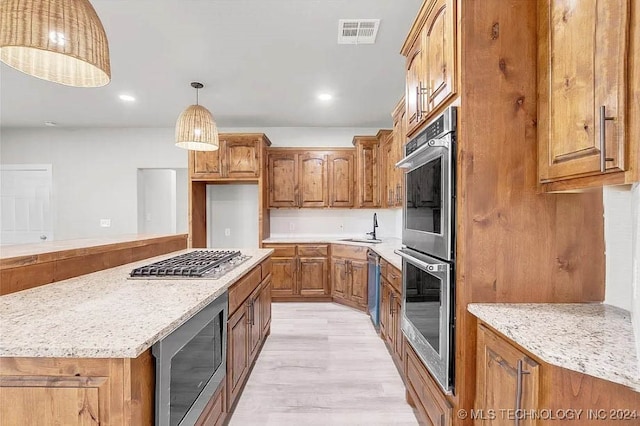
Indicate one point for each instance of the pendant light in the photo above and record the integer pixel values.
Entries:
(57, 40)
(196, 130)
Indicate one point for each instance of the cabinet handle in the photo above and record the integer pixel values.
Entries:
(391, 310)
(603, 139)
(398, 196)
(418, 108)
(520, 373)
(249, 312)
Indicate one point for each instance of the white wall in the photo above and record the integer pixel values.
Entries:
(333, 222)
(635, 304)
(618, 245)
(157, 201)
(233, 208)
(95, 170)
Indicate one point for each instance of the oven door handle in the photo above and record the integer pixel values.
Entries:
(430, 267)
(408, 161)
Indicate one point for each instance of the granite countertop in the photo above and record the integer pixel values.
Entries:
(385, 249)
(594, 339)
(105, 314)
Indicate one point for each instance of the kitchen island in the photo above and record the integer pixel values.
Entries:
(77, 351)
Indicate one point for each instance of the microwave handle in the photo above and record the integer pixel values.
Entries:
(431, 267)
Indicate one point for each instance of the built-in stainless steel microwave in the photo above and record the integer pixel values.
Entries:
(429, 208)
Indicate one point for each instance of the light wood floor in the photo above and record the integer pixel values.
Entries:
(323, 364)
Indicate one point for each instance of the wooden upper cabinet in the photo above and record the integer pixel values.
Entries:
(283, 179)
(368, 171)
(341, 178)
(430, 50)
(414, 90)
(438, 52)
(583, 87)
(313, 180)
(238, 157)
(243, 158)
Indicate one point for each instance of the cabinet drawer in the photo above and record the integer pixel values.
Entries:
(280, 250)
(394, 276)
(352, 252)
(425, 391)
(243, 288)
(266, 268)
(313, 251)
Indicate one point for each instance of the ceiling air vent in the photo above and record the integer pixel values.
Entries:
(357, 31)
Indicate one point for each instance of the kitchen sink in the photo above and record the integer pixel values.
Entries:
(361, 240)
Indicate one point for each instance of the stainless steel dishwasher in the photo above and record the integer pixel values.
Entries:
(373, 285)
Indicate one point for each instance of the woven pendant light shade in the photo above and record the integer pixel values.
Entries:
(195, 129)
(57, 40)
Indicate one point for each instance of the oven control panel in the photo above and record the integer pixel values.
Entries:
(445, 123)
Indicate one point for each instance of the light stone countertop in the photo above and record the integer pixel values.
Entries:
(590, 338)
(105, 314)
(385, 249)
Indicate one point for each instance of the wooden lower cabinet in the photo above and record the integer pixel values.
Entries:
(247, 328)
(349, 271)
(300, 272)
(77, 391)
(424, 393)
(506, 379)
(505, 372)
(391, 312)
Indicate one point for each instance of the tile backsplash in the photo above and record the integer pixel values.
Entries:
(335, 222)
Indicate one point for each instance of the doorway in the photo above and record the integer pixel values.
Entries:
(25, 203)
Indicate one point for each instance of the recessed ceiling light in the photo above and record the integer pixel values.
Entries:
(50, 123)
(127, 98)
(325, 96)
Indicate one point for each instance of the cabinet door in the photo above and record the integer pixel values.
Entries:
(393, 319)
(313, 180)
(398, 344)
(399, 140)
(438, 51)
(582, 57)
(368, 179)
(283, 172)
(242, 158)
(389, 187)
(254, 323)
(359, 271)
(208, 162)
(501, 368)
(283, 276)
(341, 178)
(385, 313)
(313, 279)
(413, 95)
(237, 352)
(265, 307)
(339, 273)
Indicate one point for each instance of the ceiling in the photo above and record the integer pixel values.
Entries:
(263, 63)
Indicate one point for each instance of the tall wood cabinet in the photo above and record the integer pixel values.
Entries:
(430, 50)
(514, 243)
(300, 271)
(585, 93)
(349, 271)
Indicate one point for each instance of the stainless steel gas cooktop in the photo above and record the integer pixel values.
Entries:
(199, 264)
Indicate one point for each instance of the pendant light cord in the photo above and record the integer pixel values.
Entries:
(197, 96)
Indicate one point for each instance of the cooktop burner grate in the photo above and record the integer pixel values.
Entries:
(194, 264)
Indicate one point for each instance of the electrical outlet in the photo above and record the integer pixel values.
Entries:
(227, 232)
(105, 223)
(292, 226)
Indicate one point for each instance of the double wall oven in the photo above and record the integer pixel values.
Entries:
(428, 261)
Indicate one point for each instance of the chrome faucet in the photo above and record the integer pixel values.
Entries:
(375, 225)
